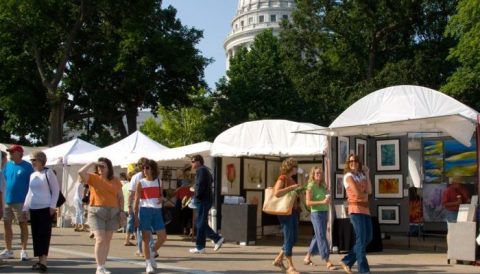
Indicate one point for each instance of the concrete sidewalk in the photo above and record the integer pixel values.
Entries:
(72, 252)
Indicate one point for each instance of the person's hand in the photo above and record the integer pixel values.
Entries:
(25, 215)
(327, 199)
(53, 211)
(135, 222)
(459, 199)
(365, 169)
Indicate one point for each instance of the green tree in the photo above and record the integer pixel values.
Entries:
(338, 51)
(257, 88)
(464, 83)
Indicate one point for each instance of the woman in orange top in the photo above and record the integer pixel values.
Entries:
(106, 204)
(358, 186)
(283, 186)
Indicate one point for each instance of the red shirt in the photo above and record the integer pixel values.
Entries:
(450, 195)
(182, 192)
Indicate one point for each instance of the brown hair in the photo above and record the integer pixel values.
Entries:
(347, 169)
(40, 156)
(287, 165)
(109, 166)
(153, 168)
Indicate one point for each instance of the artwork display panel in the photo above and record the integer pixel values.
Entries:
(433, 211)
(433, 161)
(361, 150)
(389, 186)
(343, 146)
(253, 174)
(230, 176)
(388, 214)
(339, 188)
(273, 171)
(255, 198)
(460, 160)
(388, 155)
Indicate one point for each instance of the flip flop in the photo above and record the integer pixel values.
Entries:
(279, 264)
(307, 262)
(330, 266)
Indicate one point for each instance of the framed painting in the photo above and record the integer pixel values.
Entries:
(389, 186)
(433, 161)
(343, 147)
(388, 155)
(361, 150)
(460, 160)
(253, 174)
(339, 188)
(255, 198)
(433, 210)
(388, 214)
(273, 171)
(230, 176)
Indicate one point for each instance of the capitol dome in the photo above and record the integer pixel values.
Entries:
(253, 17)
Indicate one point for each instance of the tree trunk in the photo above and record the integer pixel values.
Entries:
(131, 113)
(57, 112)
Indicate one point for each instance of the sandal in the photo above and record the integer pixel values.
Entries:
(279, 264)
(307, 262)
(346, 268)
(129, 244)
(40, 267)
(330, 266)
(292, 270)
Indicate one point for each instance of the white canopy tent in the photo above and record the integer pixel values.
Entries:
(178, 156)
(404, 109)
(269, 138)
(123, 152)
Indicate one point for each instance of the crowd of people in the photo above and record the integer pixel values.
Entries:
(135, 202)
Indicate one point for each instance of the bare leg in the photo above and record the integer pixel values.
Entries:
(291, 267)
(8, 234)
(146, 243)
(24, 234)
(161, 238)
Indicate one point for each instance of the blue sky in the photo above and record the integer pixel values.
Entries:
(214, 18)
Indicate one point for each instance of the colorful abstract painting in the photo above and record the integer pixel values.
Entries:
(433, 161)
(459, 159)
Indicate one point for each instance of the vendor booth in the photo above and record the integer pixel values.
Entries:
(413, 139)
(248, 158)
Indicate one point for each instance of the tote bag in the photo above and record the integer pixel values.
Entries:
(278, 205)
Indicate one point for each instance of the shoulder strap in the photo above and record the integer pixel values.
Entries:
(48, 182)
(160, 195)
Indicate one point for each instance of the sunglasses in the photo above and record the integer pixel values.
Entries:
(33, 160)
(193, 161)
(101, 166)
(146, 167)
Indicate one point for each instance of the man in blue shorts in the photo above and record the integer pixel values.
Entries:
(17, 177)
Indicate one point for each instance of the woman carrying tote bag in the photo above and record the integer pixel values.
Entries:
(283, 186)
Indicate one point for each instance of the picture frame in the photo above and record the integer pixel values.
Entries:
(388, 214)
(273, 171)
(230, 176)
(253, 174)
(255, 198)
(361, 150)
(339, 188)
(388, 155)
(388, 186)
(343, 148)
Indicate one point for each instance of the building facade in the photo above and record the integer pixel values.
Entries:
(253, 17)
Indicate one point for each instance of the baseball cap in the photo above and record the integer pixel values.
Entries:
(14, 148)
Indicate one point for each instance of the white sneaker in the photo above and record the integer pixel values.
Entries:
(149, 269)
(153, 263)
(102, 270)
(219, 244)
(23, 255)
(197, 251)
(6, 254)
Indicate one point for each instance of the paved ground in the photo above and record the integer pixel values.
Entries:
(72, 252)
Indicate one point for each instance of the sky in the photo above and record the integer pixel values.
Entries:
(214, 18)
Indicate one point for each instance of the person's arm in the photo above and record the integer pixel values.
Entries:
(28, 199)
(121, 201)
(366, 171)
(310, 202)
(137, 203)
(83, 172)
(200, 183)
(356, 191)
(280, 190)
(54, 188)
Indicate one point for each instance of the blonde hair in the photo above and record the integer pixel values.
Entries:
(287, 165)
(311, 174)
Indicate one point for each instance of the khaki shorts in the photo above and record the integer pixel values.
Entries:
(103, 218)
(13, 212)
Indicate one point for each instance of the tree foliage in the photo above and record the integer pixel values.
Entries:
(464, 83)
(96, 62)
(257, 87)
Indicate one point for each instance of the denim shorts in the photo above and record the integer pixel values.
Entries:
(150, 219)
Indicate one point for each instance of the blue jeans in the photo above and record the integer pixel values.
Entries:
(203, 229)
(79, 212)
(290, 232)
(319, 243)
(362, 225)
(451, 216)
(130, 223)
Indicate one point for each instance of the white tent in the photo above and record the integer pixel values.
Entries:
(404, 109)
(270, 138)
(56, 154)
(178, 156)
(123, 152)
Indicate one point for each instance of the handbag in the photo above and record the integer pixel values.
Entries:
(278, 205)
(61, 199)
